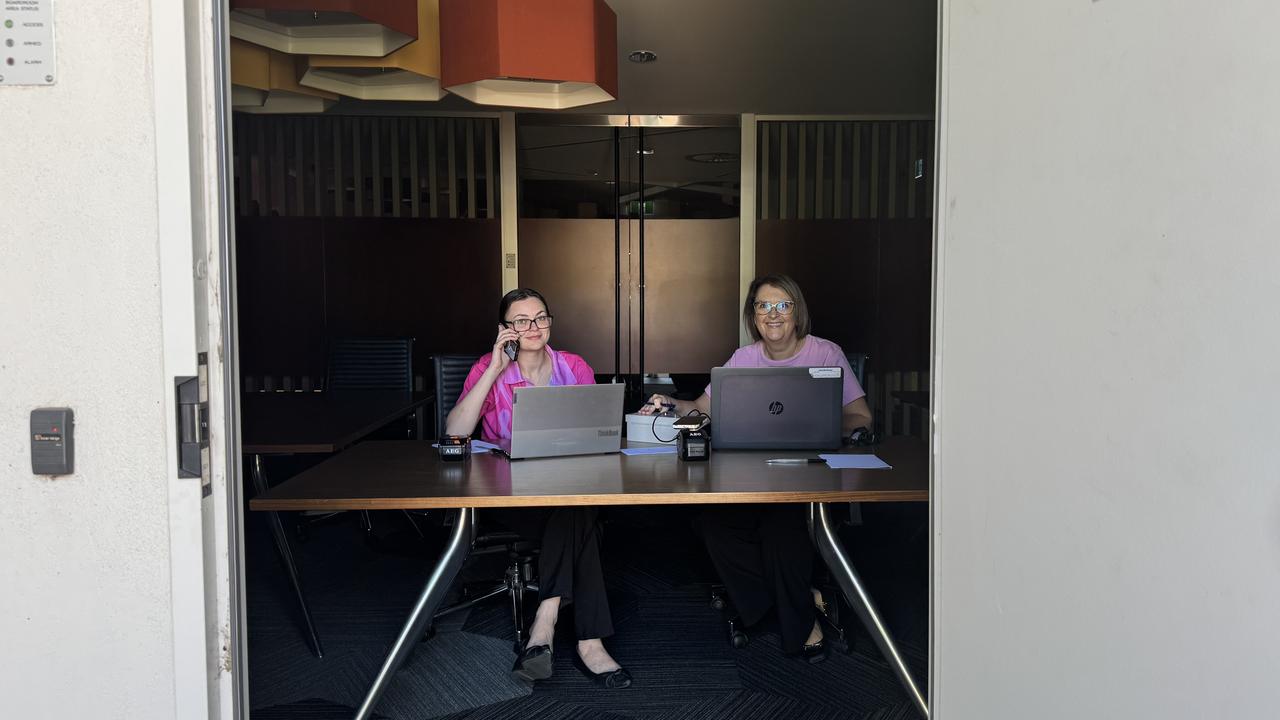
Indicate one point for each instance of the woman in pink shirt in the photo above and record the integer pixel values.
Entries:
(569, 563)
(762, 552)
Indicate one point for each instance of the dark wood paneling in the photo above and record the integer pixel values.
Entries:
(302, 281)
(906, 282)
(835, 263)
(280, 295)
(867, 282)
(438, 282)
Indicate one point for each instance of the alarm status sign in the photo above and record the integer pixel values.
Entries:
(26, 42)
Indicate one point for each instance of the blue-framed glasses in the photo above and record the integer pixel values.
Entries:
(522, 324)
(784, 307)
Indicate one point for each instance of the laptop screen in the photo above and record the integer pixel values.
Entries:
(776, 408)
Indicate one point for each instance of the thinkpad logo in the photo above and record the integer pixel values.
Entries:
(607, 433)
(775, 408)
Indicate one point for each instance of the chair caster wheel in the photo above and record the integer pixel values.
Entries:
(718, 603)
(738, 639)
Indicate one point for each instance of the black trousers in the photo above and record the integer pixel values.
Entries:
(569, 562)
(765, 559)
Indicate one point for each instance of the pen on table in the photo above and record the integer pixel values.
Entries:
(793, 461)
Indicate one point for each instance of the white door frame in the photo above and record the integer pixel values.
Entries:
(191, 108)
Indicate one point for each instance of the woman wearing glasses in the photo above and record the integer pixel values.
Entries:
(762, 552)
(569, 563)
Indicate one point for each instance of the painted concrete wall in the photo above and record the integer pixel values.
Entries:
(85, 610)
(1107, 525)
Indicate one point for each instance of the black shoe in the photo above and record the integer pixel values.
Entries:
(534, 663)
(815, 653)
(612, 680)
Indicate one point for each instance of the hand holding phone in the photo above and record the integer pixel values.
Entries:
(511, 348)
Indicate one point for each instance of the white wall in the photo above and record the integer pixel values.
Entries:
(85, 600)
(1107, 524)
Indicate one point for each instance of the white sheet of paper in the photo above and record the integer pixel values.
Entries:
(857, 462)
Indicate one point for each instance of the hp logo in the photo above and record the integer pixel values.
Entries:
(775, 408)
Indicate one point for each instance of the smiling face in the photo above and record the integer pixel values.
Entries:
(535, 338)
(774, 327)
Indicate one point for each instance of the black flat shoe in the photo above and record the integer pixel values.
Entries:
(534, 663)
(612, 680)
(815, 653)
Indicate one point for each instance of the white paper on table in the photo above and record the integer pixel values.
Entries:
(855, 462)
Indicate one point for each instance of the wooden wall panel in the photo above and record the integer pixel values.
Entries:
(280, 296)
(835, 263)
(867, 283)
(304, 281)
(906, 285)
(844, 170)
(571, 262)
(691, 294)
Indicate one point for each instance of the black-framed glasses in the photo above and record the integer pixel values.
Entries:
(522, 324)
(784, 307)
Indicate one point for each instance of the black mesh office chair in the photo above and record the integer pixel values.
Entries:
(835, 629)
(519, 577)
(371, 364)
(367, 363)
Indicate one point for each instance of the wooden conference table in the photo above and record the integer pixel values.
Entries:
(409, 475)
(295, 423)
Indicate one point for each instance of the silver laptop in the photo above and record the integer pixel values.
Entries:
(785, 408)
(554, 420)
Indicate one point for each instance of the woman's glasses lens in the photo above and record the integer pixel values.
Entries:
(522, 324)
(784, 307)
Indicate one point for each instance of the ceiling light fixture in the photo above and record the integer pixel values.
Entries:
(642, 56)
(326, 27)
(410, 73)
(266, 81)
(551, 54)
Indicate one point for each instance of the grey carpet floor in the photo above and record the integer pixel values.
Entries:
(667, 635)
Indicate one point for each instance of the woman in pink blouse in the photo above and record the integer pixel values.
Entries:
(569, 563)
(762, 552)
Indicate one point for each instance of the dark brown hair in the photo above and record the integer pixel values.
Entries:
(516, 296)
(786, 285)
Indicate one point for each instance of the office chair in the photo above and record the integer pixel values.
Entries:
(834, 628)
(519, 576)
(371, 364)
(367, 363)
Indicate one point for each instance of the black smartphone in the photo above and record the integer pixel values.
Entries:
(510, 349)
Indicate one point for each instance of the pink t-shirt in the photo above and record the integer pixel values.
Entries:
(815, 352)
(495, 413)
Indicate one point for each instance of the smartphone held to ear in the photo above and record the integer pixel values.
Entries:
(511, 348)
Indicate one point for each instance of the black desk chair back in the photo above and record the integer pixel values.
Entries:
(371, 364)
(519, 577)
(450, 373)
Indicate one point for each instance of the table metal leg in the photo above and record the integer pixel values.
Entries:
(828, 545)
(442, 576)
(286, 557)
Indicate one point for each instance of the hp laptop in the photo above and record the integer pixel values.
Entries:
(549, 421)
(781, 408)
